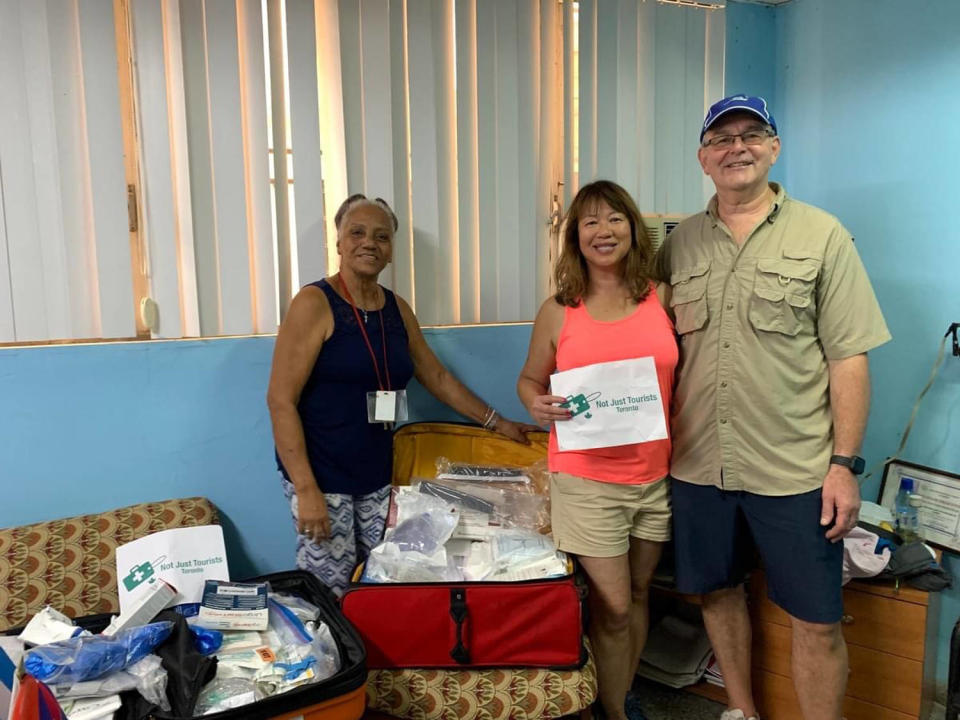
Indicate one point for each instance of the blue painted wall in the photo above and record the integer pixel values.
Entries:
(866, 96)
(88, 428)
(751, 58)
(751, 50)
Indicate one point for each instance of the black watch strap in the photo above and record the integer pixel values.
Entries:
(854, 463)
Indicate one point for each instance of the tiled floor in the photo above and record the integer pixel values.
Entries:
(652, 701)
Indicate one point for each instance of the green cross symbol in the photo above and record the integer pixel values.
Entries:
(138, 575)
(577, 404)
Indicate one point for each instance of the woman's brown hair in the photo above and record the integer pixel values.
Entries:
(570, 274)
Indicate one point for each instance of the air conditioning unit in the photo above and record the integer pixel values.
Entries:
(660, 225)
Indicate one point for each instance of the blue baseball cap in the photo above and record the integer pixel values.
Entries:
(738, 103)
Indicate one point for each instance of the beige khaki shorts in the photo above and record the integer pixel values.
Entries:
(597, 519)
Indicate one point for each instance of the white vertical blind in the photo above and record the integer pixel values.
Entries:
(311, 235)
(433, 170)
(203, 223)
(460, 113)
(104, 176)
(657, 61)
(256, 163)
(550, 122)
(468, 209)
(229, 174)
(180, 169)
(376, 98)
(207, 226)
(403, 270)
(64, 252)
(714, 71)
(159, 222)
(332, 132)
(587, 110)
(443, 118)
(79, 292)
(20, 192)
(38, 65)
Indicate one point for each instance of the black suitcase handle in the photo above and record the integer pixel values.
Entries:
(458, 611)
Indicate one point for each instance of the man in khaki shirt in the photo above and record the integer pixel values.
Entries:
(775, 315)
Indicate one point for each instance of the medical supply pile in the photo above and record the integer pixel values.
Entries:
(239, 643)
(469, 523)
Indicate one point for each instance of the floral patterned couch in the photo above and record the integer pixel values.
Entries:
(71, 564)
(511, 694)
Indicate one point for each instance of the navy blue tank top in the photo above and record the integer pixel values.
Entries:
(349, 455)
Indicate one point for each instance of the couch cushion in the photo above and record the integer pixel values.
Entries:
(71, 564)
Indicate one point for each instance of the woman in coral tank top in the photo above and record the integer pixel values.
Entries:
(610, 506)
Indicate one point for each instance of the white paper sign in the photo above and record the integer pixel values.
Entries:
(183, 557)
(613, 403)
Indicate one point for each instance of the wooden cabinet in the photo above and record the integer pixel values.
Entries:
(891, 639)
(891, 642)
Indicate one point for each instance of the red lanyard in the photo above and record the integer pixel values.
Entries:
(366, 338)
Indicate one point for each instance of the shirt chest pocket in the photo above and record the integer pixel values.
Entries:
(783, 295)
(689, 298)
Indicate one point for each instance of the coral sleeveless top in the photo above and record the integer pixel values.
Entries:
(646, 332)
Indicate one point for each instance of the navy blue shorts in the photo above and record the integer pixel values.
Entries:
(717, 534)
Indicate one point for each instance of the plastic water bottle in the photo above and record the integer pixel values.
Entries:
(907, 506)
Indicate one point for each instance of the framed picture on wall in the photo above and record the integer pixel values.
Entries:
(940, 509)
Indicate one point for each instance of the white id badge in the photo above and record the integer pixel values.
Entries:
(387, 406)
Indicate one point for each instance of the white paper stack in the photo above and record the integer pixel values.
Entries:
(712, 674)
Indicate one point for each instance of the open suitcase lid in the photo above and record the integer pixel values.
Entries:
(417, 446)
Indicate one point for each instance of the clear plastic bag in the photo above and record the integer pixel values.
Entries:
(224, 694)
(485, 504)
(306, 611)
(90, 657)
(300, 656)
(535, 477)
(388, 564)
(424, 523)
(413, 550)
(147, 676)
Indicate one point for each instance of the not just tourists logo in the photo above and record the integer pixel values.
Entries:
(141, 573)
(581, 404)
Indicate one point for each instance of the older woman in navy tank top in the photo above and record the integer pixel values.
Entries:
(347, 342)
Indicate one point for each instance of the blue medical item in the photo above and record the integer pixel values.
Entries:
(90, 656)
(206, 640)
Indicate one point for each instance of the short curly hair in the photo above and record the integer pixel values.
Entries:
(358, 198)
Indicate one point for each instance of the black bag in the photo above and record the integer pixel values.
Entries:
(913, 564)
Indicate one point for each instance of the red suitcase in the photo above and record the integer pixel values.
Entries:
(531, 623)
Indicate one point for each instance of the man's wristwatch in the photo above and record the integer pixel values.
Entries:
(854, 463)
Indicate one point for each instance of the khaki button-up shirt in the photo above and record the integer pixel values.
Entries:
(757, 324)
